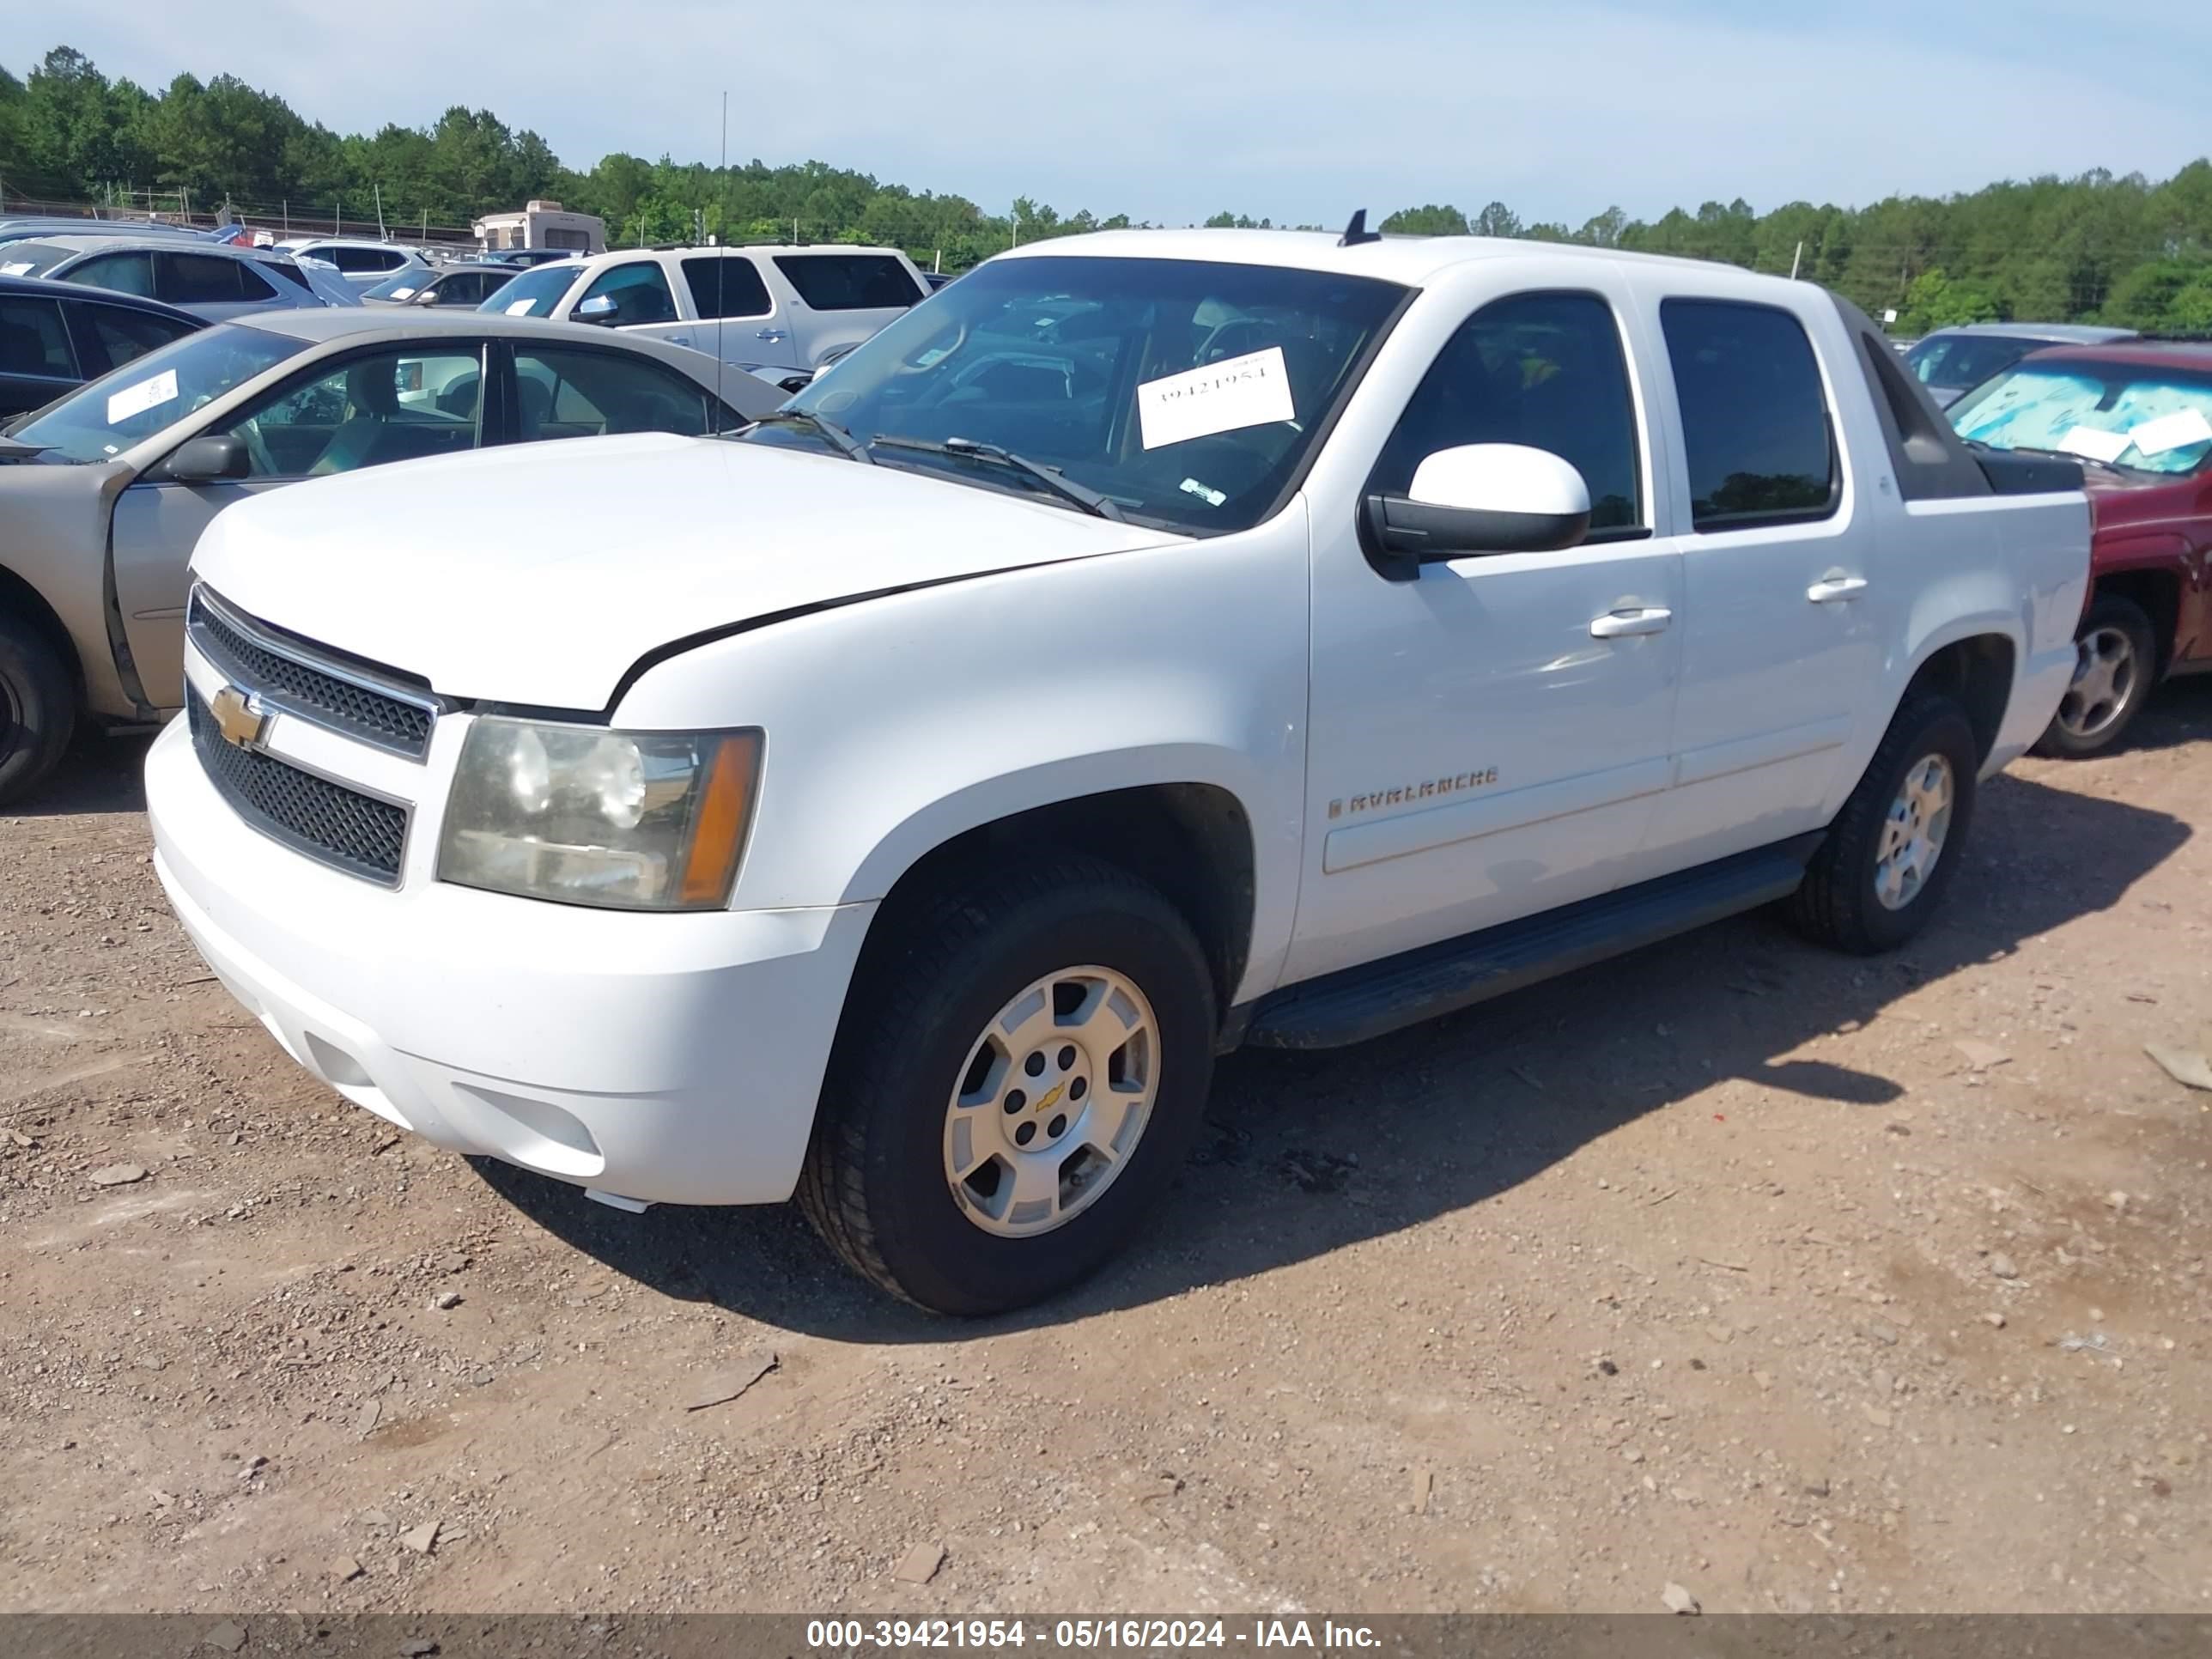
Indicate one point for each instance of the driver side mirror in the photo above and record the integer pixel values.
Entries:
(601, 310)
(1473, 500)
(211, 459)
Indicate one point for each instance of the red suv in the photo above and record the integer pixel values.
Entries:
(2138, 415)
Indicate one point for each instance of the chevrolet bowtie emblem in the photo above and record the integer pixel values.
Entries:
(239, 717)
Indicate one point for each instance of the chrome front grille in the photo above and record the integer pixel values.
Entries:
(357, 833)
(294, 678)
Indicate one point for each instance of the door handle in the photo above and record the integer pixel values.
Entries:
(769, 334)
(1623, 624)
(679, 339)
(1836, 587)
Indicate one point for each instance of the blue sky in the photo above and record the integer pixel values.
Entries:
(1290, 110)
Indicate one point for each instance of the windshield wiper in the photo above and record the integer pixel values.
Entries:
(967, 449)
(852, 447)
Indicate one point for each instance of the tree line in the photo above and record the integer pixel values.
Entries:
(2099, 247)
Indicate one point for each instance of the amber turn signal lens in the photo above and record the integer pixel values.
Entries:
(718, 834)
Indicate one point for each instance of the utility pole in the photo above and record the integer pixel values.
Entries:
(382, 234)
(287, 219)
(1795, 259)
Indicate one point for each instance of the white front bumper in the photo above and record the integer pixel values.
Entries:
(675, 1059)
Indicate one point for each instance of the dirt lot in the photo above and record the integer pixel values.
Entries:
(1804, 1283)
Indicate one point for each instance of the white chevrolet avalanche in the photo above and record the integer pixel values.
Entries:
(1154, 642)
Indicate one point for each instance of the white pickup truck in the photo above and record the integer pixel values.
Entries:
(1153, 642)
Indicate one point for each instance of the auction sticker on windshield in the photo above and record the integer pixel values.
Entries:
(1254, 390)
(147, 394)
(2176, 431)
(2097, 444)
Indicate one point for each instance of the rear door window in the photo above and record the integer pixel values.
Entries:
(360, 261)
(728, 286)
(562, 392)
(1754, 415)
(117, 334)
(848, 282)
(208, 279)
(32, 340)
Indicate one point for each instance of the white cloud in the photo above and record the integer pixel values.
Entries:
(1169, 112)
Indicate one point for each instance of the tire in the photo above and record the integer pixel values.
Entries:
(1842, 901)
(922, 1028)
(2119, 662)
(38, 708)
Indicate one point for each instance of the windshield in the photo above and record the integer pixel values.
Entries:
(408, 283)
(1186, 393)
(154, 392)
(2147, 420)
(1958, 361)
(534, 292)
(33, 259)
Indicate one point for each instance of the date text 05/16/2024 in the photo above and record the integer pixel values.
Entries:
(857, 1636)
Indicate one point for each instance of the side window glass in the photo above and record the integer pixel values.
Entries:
(728, 286)
(1754, 415)
(639, 290)
(207, 279)
(32, 340)
(393, 406)
(127, 273)
(848, 282)
(1547, 370)
(124, 335)
(562, 393)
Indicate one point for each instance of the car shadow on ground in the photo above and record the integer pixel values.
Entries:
(98, 774)
(1304, 1154)
(2179, 712)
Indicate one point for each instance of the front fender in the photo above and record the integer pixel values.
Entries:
(897, 724)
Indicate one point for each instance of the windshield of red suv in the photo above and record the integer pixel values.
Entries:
(1188, 393)
(2122, 415)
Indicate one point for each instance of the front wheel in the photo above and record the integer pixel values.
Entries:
(38, 708)
(1894, 848)
(1019, 1072)
(2116, 660)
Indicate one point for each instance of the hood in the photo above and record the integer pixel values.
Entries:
(541, 572)
(2121, 501)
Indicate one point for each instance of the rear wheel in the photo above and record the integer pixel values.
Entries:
(1019, 1074)
(38, 708)
(2115, 664)
(1894, 848)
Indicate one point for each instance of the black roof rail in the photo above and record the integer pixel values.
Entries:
(2161, 336)
(1356, 232)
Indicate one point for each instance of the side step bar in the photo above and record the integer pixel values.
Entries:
(1367, 1001)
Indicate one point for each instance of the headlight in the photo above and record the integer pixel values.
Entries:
(626, 820)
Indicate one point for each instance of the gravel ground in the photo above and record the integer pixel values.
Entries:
(1799, 1282)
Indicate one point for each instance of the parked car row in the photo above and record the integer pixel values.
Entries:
(105, 491)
